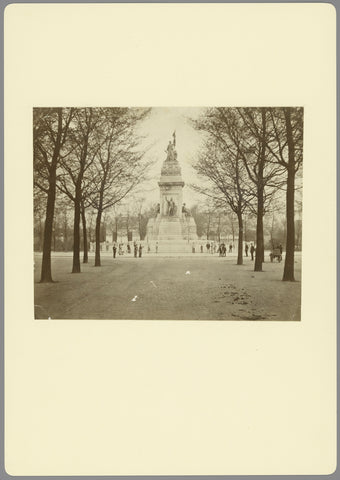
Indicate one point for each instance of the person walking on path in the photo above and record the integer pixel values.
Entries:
(246, 248)
(208, 247)
(230, 248)
(135, 249)
(140, 250)
(252, 251)
(114, 248)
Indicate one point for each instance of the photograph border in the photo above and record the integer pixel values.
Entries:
(3, 473)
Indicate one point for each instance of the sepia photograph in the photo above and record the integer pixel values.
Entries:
(168, 213)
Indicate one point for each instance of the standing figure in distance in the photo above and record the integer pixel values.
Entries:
(252, 251)
(114, 248)
(246, 248)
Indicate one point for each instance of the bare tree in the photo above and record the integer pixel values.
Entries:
(223, 166)
(222, 163)
(72, 178)
(118, 167)
(247, 129)
(50, 131)
(287, 149)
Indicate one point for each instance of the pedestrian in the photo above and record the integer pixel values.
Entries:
(208, 247)
(201, 248)
(230, 248)
(281, 248)
(128, 248)
(193, 248)
(135, 249)
(114, 248)
(252, 251)
(140, 250)
(246, 248)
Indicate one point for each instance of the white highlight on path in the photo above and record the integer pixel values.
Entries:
(134, 298)
(187, 273)
(153, 283)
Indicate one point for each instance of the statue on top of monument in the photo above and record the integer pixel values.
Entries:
(170, 150)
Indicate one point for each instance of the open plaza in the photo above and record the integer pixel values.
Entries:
(168, 287)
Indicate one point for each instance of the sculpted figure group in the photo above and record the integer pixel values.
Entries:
(171, 209)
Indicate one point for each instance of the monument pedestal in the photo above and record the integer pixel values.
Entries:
(171, 234)
(172, 231)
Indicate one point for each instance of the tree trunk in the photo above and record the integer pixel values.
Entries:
(65, 230)
(259, 254)
(98, 223)
(272, 234)
(140, 226)
(46, 274)
(208, 226)
(83, 217)
(288, 273)
(219, 228)
(240, 239)
(41, 235)
(259, 232)
(233, 230)
(76, 233)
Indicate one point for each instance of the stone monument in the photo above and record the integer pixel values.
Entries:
(173, 229)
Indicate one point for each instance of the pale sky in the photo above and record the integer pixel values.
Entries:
(158, 128)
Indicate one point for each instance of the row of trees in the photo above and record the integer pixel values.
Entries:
(250, 156)
(121, 221)
(217, 223)
(132, 216)
(92, 159)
